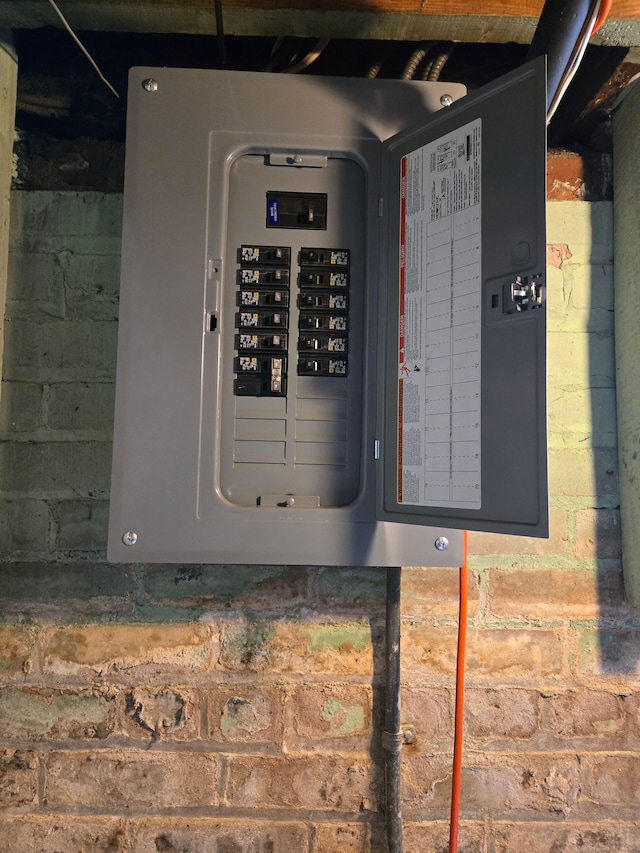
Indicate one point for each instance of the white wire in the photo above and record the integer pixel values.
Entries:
(575, 63)
(67, 26)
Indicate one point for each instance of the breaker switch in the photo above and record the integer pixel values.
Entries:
(325, 257)
(322, 366)
(263, 298)
(323, 343)
(266, 275)
(263, 319)
(336, 301)
(323, 278)
(264, 255)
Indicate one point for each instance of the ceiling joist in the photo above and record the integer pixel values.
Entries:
(452, 20)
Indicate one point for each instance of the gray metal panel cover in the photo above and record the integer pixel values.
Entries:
(185, 135)
(506, 491)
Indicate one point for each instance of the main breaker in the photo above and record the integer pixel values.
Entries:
(332, 333)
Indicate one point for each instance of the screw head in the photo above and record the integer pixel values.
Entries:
(441, 543)
(446, 100)
(129, 538)
(150, 85)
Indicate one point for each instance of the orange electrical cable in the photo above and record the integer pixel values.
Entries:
(457, 737)
(603, 11)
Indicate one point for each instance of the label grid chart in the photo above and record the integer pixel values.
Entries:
(439, 370)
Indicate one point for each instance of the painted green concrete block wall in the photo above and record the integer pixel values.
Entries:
(238, 709)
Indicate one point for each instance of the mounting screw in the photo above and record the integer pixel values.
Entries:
(129, 538)
(446, 100)
(151, 85)
(441, 543)
(408, 734)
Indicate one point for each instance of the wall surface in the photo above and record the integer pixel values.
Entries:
(218, 709)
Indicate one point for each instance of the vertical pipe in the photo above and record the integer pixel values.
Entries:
(626, 228)
(392, 736)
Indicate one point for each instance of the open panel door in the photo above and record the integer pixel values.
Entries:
(463, 413)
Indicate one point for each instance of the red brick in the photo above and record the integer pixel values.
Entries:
(172, 713)
(132, 648)
(318, 782)
(126, 779)
(598, 534)
(18, 777)
(329, 717)
(246, 714)
(613, 653)
(201, 835)
(538, 593)
(510, 654)
(501, 714)
(588, 713)
(16, 651)
(535, 837)
(435, 591)
(46, 834)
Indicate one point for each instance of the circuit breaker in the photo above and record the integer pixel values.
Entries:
(332, 333)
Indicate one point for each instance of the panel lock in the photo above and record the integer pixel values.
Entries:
(522, 294)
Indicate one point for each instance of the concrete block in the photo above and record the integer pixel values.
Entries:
(325, 718)
(66, 214)
(171, 713)
(565, 837)
(24, 526)
(612, 780)
(587, 229)
(318, 782)
(138, 650)
(581, 359)
(493, 544)
(82, 525)
(590, 473)
(81, 406)
(16, 652)
(435, 836)
(347, 838)
(583, 415)
(434, 592)
(262, 588)
(31, 581)
(57, 469)
(52, 834)
(511, 655)
(594, 714)
(350, 589)
(92, 285)
(598, 534)
(20, 411)
(512, 715)
(40, 712)
(124, 780)
(609, 652)
(35, 286)
(18, 778)
(206, 835)
(60, 351)
(246, 713)
(298, 648)
(537, 593)
(430, 713)
(540, 784)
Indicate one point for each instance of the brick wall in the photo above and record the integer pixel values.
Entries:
(215, 709)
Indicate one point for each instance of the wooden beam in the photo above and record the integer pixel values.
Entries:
(489, 20)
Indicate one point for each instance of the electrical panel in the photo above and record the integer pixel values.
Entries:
(332, 334)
